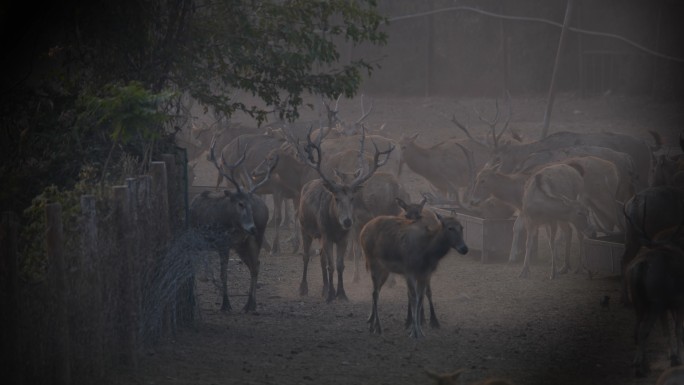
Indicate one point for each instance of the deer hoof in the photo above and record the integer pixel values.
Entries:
(303, 289)
(342, 296)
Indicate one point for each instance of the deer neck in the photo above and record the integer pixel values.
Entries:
(417, 157)
(510, 188)
(437, 248)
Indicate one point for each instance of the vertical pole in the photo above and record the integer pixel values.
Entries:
(429, 49)
(128, 329)
(580, 55)
(504, 48)
(552, 87)
(54, 237)
(92, 265)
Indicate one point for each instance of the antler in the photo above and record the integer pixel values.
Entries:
(271, 167)
(364, 114)
(464, 128)
(492, 124)
(376, 161)
(231, 167)
(314, 161)
(471, 166)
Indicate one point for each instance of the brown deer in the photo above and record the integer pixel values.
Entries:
(398, 245)
(326, 212)
(233, 220)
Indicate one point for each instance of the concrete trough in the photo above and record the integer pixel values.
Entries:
(602, 255)
(491, 237)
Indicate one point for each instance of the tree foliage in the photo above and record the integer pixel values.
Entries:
(87, 79)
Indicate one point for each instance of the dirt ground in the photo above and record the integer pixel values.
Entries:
(494, 324)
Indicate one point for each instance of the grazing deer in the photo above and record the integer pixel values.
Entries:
(398, 245)
(326, 212)
(233, 220)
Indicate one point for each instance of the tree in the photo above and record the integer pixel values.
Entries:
(86, 50)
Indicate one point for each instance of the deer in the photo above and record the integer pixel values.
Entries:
(654, 281)
(373, 200)
(233, 220)
(448, 166)
(508, 157)
(623, 163)
(417, 212)
(650, 211)
(326, 212)
(668, 170)
(552, 196)
(393, 244)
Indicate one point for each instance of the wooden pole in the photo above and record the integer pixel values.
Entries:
(54, 237)
(125, 222)
(92, 265)
(552, 87)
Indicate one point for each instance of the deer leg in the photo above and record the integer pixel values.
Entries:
(434, 323)
(643, 329)
(532, 234)
(518, 231)
(251, 259)
(566, 233)
(675, 353)
(341, 251)
(378, 276)
(224, 254)
(304, 286)
(328, 268)
(551, 230)
(418, 287)
(277, 206)
(356, 251)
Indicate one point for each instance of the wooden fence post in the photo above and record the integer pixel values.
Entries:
(9, 295)
(54, 236)
(176, 196)
(91, 266)
(124, 224)
(160, 193)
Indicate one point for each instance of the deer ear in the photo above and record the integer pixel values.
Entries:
(400, 202)
(414, 136)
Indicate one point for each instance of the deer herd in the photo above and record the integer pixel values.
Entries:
(345, 186)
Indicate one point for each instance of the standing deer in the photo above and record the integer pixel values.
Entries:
(552, 196)
(655, 282)
(326, 212)
(398, 245)
(233, 220)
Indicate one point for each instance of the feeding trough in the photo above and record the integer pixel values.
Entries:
(491, 237)
(604, 254)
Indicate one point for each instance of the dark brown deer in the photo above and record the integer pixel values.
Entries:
(326, 212)
(398, 245)
(233, 220)
(651, 211)
(655, 282)
(417, 212)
